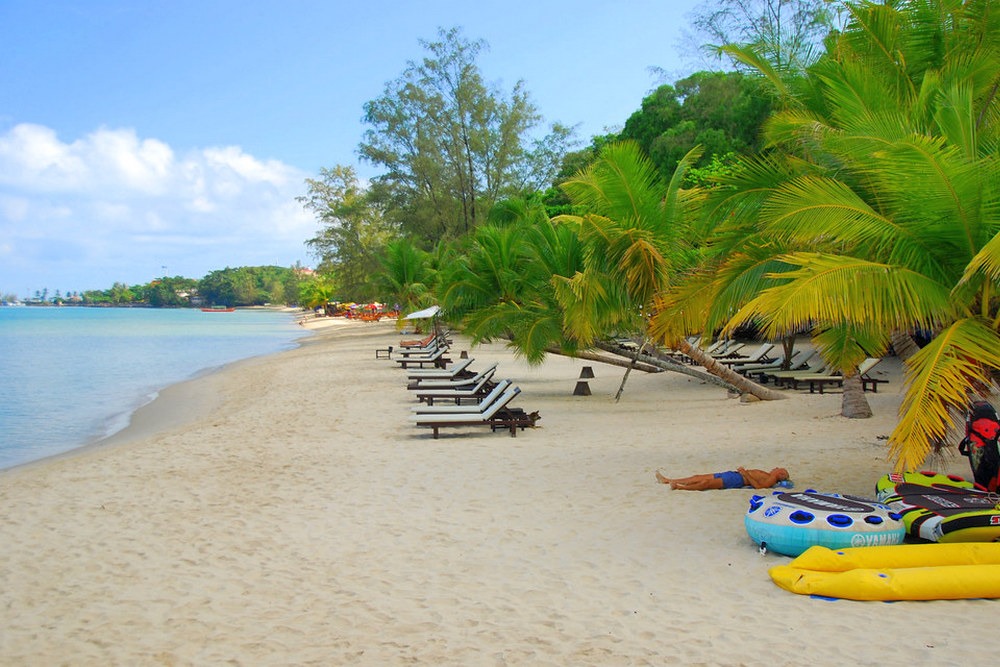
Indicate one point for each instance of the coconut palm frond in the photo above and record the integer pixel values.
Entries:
(986, 261)
(847, 344)
(598, 229)
(406, 274)
(818, 211)
(681, 310)
(854, 95)
(736, 204)
(538, 325)
(956, 118)
(672, 201)
(940, 181)
(832, 289)
(811, 209)
(464, 289)
(941, 380)
(793, 126)
(591, 304)
(556, 247)
(643, 266)
(753, 59)
(491, 322)
(621, 183)
(741, 278)
(874, 38)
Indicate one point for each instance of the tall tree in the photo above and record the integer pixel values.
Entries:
(451, 144)
(786, 33)
(721, 111)
(354, 230)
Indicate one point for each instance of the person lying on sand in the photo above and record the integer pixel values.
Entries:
(733, 479)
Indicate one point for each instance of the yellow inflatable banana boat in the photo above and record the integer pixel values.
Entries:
(902, 572)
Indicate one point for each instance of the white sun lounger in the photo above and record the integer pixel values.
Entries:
(444, 383)
(481, 407)
(439, 373)
(492, 417)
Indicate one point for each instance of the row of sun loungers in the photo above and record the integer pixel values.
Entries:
(456, 396)
(806, 369)
(722, 350)
(432, 353)
(817, 380)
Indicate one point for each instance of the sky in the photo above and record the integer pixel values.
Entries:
(143, 138)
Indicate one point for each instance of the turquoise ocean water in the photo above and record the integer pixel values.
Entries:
(69, 376)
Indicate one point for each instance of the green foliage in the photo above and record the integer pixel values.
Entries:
(877, 213)
(316, 292)
(118, 295)
(501, 284)
(722, 112)
(171, 292)
(407, 275)
(718, 168)
(452, 145)
(248, 286)
(244, 286)
(354, 230)
(660, 111)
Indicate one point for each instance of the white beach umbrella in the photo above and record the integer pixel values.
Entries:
(424, 314)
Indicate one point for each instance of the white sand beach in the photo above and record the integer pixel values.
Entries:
(285, 511)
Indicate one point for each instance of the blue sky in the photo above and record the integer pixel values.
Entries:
(137, 135)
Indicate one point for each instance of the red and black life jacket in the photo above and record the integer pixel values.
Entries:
(982, 428)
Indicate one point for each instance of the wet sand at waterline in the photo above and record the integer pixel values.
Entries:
(285, 511)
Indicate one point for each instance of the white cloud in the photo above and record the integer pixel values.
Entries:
(32, 156)
(247, 167)
(113, 203)
(118, 157)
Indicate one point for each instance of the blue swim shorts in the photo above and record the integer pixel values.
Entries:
(730, 479)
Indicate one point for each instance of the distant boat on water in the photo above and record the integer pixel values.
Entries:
(218, 309)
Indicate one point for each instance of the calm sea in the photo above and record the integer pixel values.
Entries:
(71, 375)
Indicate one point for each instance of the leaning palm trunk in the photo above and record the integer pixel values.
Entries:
(904, 345)
(854, 404)
(742, 384)
(605, 359)
(714, 372)
(654, 359)
(787, 346)
(635, 360)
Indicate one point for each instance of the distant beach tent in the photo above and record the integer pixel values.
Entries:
(423, 314)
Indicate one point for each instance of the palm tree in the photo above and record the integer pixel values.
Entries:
(406, 276)
(316, 292)
(639, 234)
(887, 168)
(501, 285)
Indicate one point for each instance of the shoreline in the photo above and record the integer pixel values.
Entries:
(168, 407)
(176, 406)
(305, 520)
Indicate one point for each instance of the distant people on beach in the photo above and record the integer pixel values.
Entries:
(731, 479)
